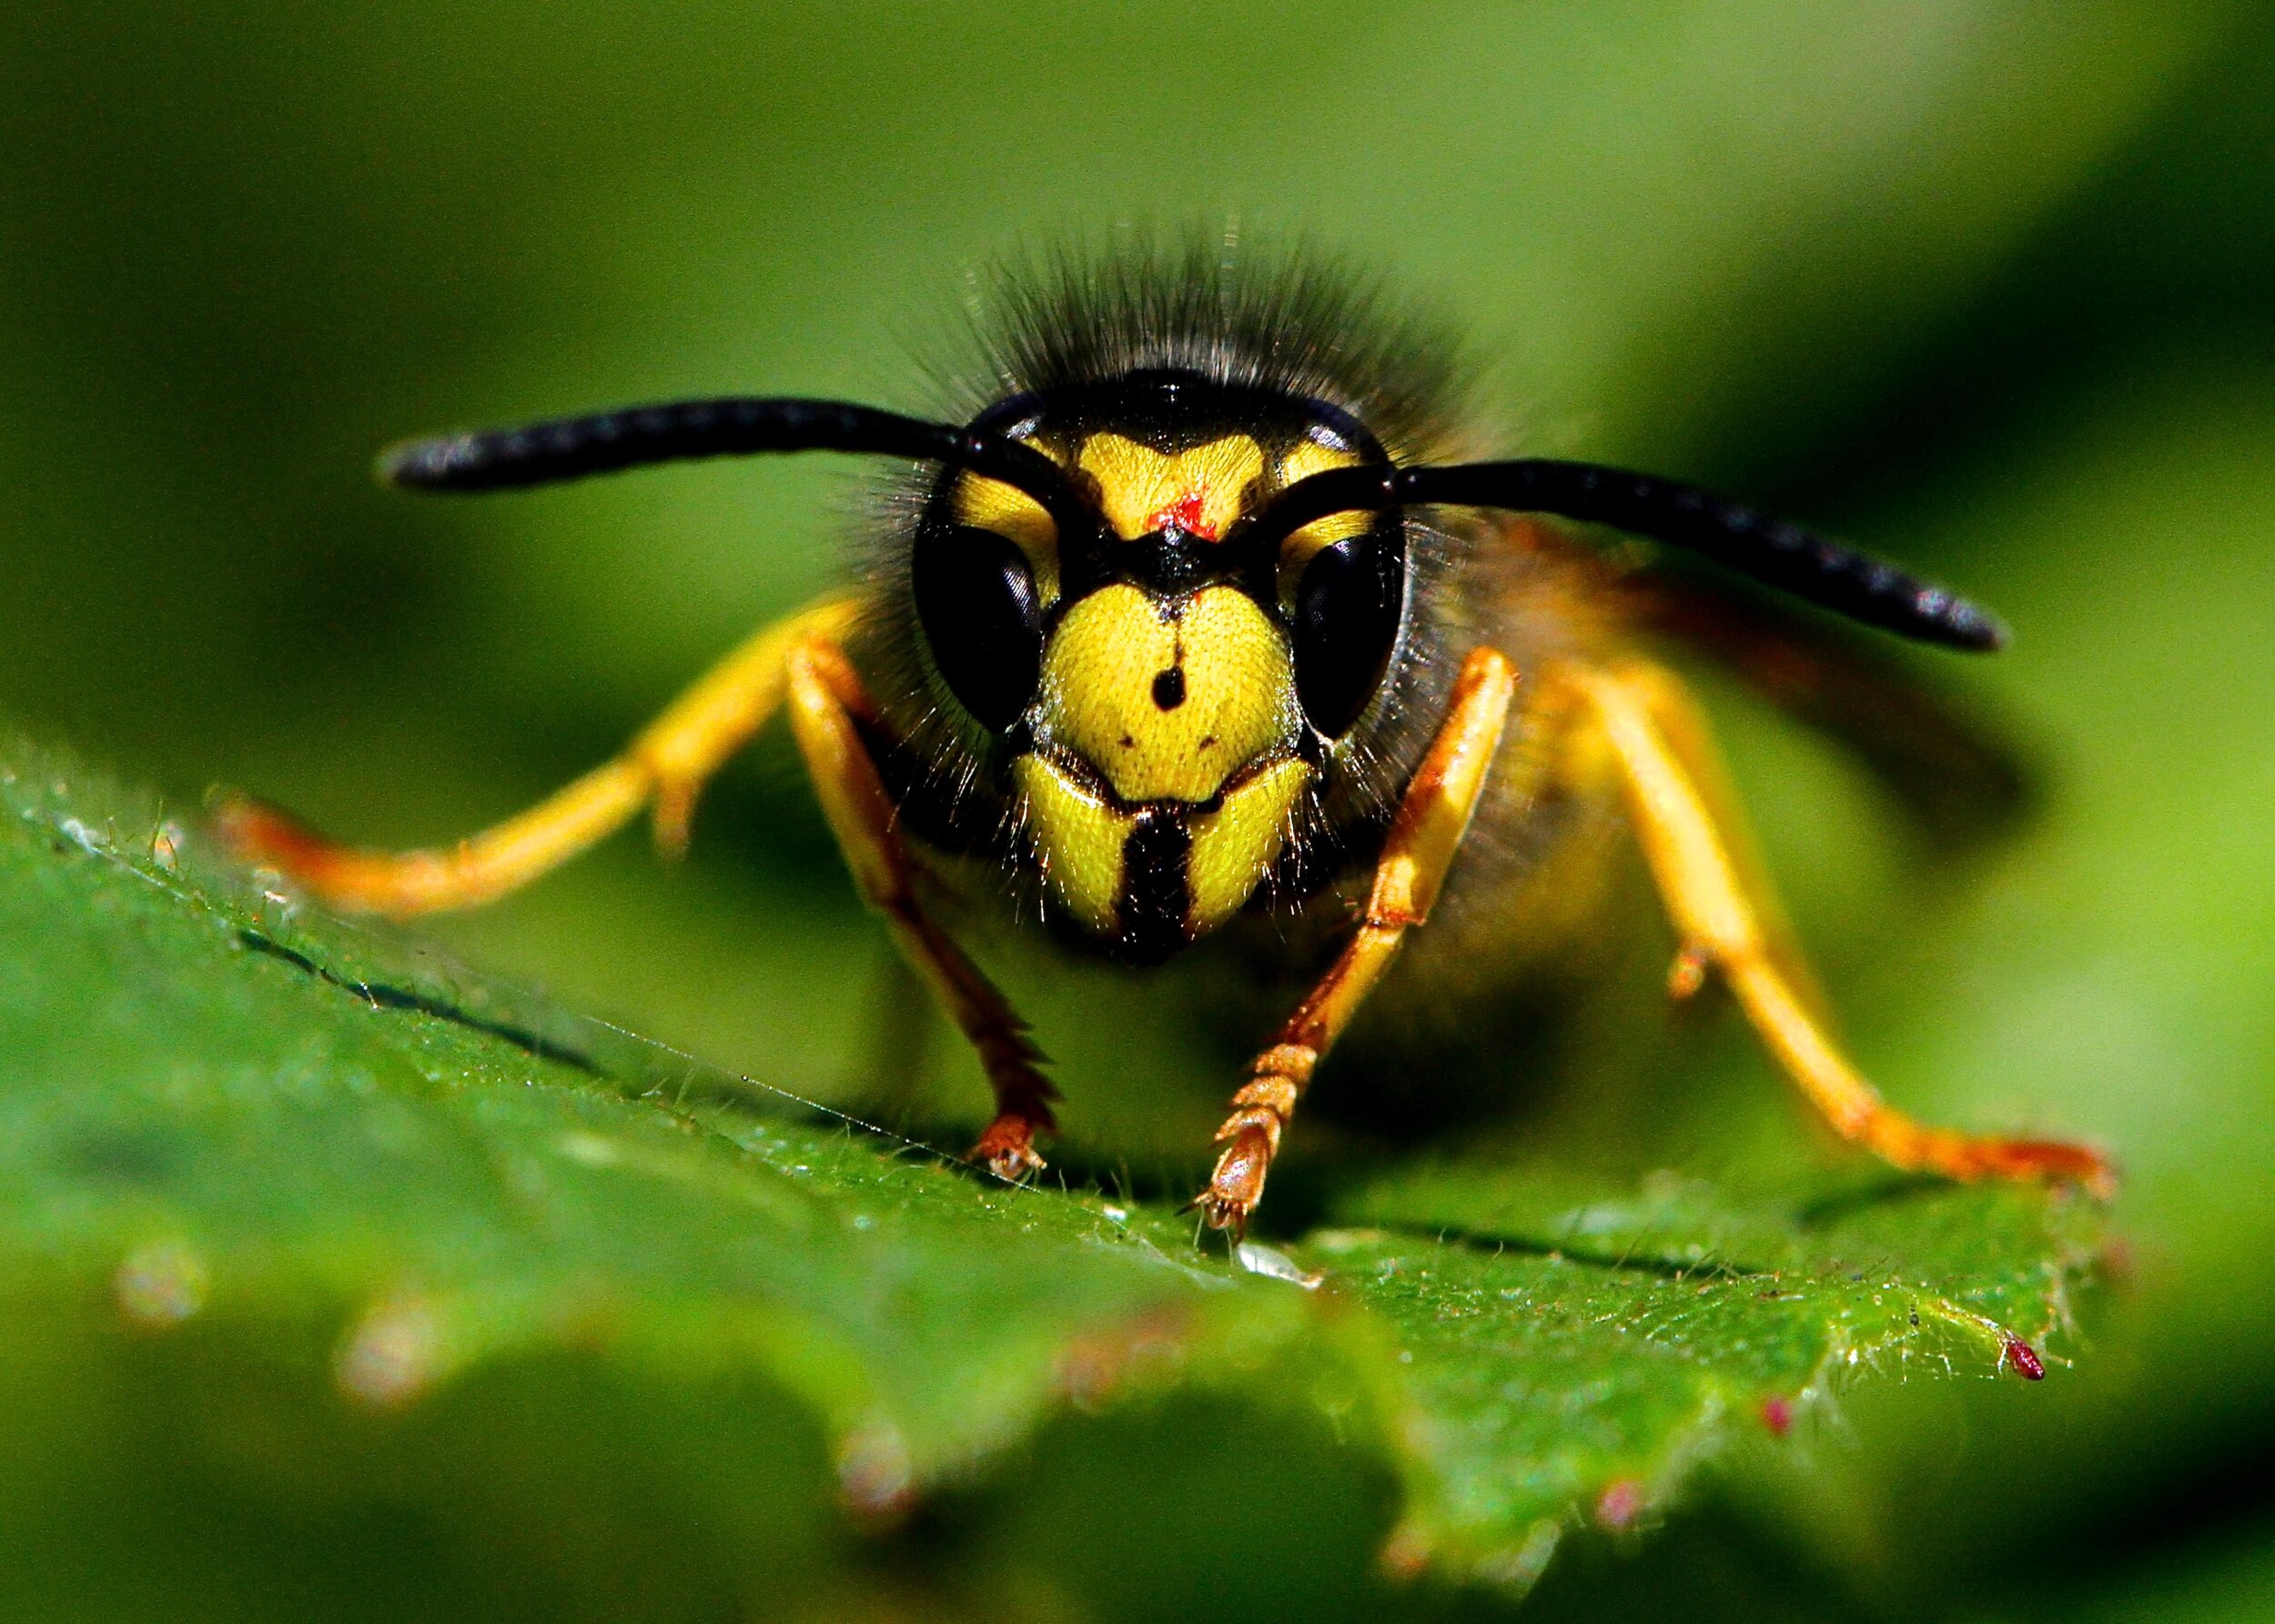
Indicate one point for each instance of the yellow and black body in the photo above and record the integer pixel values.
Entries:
(1170, 717)
(1180, 616)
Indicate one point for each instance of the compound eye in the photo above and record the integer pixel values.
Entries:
(1349, 604)
(977, 604)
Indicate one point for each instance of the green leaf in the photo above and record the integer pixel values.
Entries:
(1565, 1349)
(362, 1216)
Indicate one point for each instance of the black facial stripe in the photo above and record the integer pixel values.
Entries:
(1156, 894)
(1169, 410)
(1178, 408)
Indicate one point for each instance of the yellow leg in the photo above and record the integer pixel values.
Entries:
(1680, 722)
(1423, 840)
(826, 705)
(665, 767)
(1722, 925)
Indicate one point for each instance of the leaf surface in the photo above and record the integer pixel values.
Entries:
(370, 1186)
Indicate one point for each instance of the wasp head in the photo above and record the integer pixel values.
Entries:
(1168, 680)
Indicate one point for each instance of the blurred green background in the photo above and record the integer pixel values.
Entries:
(1985, 287)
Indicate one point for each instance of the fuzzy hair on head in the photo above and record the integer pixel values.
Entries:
(1271, 316)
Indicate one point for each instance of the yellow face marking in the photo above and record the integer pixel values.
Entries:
(991, 505)
(1141, 488)
(1080, 838)
(1167, 710)
(1307, 458)
(1234, 845)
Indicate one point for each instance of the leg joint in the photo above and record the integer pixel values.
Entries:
(1269, 1124)
(1290, 1060)
(1274, 1093)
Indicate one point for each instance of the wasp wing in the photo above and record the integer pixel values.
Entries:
(1958, 767)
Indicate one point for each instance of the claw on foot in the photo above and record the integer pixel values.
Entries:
(256, 832)
(1968, 1158)
(2057, 1163)
(1007, 1148)
(1237, 1184)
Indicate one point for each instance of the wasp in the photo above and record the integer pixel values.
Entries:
(1189, 612)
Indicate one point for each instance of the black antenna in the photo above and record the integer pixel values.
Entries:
(1776, 553)
(734, 426)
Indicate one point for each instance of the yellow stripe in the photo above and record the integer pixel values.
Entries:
(1136, 482)
(992, 505)
(1099, 698)
(1301, 546)
(1237, 844)
(1079, 838)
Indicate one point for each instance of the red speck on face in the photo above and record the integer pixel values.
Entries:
(1617, 1506)
(2024, 1359)
(1777, 1414)
(1186, 514)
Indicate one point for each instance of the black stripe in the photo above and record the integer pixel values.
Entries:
(1157, 895)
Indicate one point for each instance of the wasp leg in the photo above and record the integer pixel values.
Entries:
(1423, 838)
(665, 767)
(827, 703)
(1722, 923)
(1682, 725)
